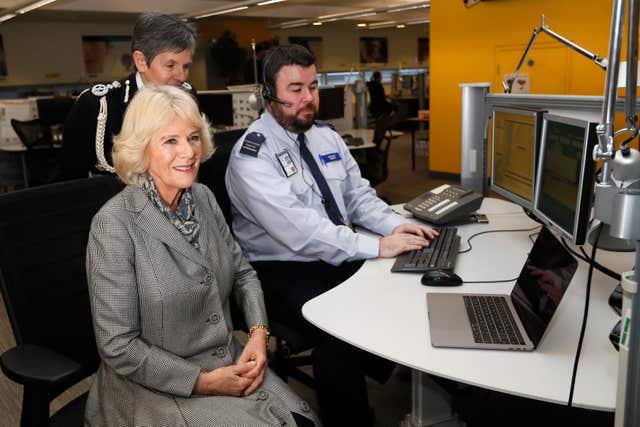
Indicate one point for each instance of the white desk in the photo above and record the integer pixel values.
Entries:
(386, 314)
(366, 135)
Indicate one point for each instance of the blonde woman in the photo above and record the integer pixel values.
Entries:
(162, 267)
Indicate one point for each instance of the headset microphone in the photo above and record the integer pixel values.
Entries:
(267, 93)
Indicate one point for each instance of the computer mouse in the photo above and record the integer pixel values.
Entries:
(441, 278)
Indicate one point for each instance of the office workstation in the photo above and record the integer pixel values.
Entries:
(527, 184)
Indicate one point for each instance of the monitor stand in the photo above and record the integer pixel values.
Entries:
(610, 243)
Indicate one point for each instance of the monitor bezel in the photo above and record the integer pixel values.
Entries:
(585, 184)
(538, 115)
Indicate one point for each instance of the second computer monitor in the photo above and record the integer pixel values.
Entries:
(217, 106)
(515, 142)
(565, 175)
(331, 103)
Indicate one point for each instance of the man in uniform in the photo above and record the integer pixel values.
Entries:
(296, 193)
(162, 48)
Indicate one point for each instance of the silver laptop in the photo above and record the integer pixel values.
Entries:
(506, 322)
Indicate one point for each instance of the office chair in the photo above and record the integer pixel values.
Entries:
(43, 235)
(37, 137)
(375, 167)
(289, 343)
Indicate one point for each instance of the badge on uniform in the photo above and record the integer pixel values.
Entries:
(287, 164)
(328, 158)
(252, 143)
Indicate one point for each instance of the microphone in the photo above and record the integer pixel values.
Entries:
(278, 100)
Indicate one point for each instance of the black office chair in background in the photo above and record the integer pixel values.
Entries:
(289, 343)
(40, 162)
(376, 160)
(43, 238)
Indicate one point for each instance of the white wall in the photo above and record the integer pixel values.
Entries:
(341, 44)
(51, 52)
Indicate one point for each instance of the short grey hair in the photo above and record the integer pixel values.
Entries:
(156, 32)
(154, 108)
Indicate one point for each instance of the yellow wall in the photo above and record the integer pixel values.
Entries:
(476, 44)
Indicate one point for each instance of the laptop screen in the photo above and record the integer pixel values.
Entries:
(542, 283)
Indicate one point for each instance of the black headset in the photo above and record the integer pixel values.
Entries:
(268, 92)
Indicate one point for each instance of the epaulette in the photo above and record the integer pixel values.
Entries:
(102, 89)
(252, 143)
(323, 124)
(187, 86)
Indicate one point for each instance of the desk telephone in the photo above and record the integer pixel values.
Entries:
(445, 204)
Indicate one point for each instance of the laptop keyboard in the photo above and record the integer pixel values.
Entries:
(491, 320)
(439, 255)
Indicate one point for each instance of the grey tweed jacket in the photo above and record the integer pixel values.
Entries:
(161, 315)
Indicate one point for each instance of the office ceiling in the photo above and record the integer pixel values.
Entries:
(277, 12)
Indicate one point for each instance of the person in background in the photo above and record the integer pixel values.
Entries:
(378, 103)
(162, 47)
(296, 194)
(162, 269)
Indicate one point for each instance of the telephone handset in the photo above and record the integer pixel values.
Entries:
(444, 204)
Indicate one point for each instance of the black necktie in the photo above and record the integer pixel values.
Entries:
(327, 197)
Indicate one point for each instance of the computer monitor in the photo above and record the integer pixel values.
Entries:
(218, 107)
(331, 103)
(515, 145)
(565, 176)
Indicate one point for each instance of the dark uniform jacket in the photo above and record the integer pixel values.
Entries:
(87, 147)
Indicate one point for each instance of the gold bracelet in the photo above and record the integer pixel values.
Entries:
(260, 326)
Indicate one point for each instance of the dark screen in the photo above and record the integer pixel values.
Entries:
(53, 111)
(331, 103)
(218, 107)
(560, 178)
(542, 283)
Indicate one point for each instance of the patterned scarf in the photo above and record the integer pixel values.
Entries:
(183, 218)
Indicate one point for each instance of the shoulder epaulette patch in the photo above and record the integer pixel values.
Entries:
(322, 124)
(102, 89)
(252, 143)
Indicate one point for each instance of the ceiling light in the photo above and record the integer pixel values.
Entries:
(264, 3)
(7, 17)
(362, 25)
(400, 26)
(317, 23)
(345, 14)
(286, 26)
(409, 7)
(362, 14)
(34, 6)
(418, 21)
(221, 12)
(382, 24)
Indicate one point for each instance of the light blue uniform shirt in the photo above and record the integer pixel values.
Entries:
(282, 218)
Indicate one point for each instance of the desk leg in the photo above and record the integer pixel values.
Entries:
(430, 404)
(413, 148)
(25, 176)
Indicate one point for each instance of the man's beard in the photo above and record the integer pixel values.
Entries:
(291, 122)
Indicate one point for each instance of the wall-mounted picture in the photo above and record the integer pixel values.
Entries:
(3, 62)
(314, 44)
(107, 56)
(423, 50)
(373, 50)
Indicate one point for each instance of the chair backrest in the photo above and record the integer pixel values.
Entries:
(43, 237)
(32, 132)
(377, 169)
(212, 171)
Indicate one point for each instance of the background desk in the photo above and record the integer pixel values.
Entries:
(386, 314)
(366, 135)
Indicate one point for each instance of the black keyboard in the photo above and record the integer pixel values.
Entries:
(491, 320)
(439, 255)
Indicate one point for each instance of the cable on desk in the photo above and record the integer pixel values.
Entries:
(495, 231)
(585, 315)
(596, 264)
(493, 281)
